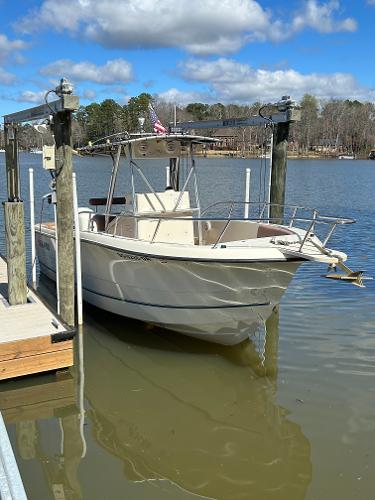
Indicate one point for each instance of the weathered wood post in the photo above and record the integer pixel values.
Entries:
(174, 173)
(279, 159)
(62, 126)
(14, 222)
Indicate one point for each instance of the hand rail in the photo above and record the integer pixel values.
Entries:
(313, 221)
(309, 231)
(226, 225)
(164, 215)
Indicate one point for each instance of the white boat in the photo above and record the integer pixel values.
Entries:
(346, 157)
(208, 273)
(2, 150)
(36, 151)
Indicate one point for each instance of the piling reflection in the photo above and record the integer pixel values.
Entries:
(45, 415)
(190, 418)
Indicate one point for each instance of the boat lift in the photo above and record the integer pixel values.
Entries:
(287, 112)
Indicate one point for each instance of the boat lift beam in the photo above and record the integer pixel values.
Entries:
(287, 113)
(291, 115)
(64, 103)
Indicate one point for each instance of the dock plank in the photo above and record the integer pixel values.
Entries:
(31, 347)
(27, 365)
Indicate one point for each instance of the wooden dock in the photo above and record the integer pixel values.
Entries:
(32, 338)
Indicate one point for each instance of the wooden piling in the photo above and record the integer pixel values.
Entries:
(16, 254)
(64, 207)
(11, 162)
(278, 173)
(14, 222)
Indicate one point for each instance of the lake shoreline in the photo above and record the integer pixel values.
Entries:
(291, 155)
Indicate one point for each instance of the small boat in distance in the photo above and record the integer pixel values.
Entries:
(210, 272)
(346, 157)
(36, 151)
(371, 155)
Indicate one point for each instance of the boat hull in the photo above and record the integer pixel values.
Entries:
(222, 302)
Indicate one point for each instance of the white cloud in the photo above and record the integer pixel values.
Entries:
(114, 71)
(6, 78)
(229, 81)
(31, 96)
(10, 48)
(200, 27)
(320, 17)
(181, 97)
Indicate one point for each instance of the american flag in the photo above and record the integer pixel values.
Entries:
(156, 123)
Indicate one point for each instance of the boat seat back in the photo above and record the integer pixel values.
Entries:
(170, 229)
(99, 220)
(122, 226)
(220, 231)
(268, 230)
(149, 202)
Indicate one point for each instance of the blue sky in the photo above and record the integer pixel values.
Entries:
(238, 51)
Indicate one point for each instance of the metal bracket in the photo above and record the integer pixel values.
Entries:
(62, 336)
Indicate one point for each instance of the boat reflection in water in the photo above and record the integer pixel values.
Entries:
(182, 418)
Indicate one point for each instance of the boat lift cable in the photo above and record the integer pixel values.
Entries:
(262, 193)
(46, 100)
(270, 124)
(268, 118)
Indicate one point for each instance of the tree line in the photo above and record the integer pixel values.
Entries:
(325, 126)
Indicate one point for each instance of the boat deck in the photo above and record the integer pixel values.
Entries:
(32, 338)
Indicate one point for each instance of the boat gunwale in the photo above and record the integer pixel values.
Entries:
(46, 231)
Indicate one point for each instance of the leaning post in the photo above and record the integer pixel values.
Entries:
(14, 222)
(279, 159)
(62, 126)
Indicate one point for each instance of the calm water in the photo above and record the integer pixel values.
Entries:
(289, 415)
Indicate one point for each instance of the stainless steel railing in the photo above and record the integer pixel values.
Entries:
(311, 220)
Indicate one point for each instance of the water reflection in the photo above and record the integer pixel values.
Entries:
(191, 418)
(45, 433)
(202, 416)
